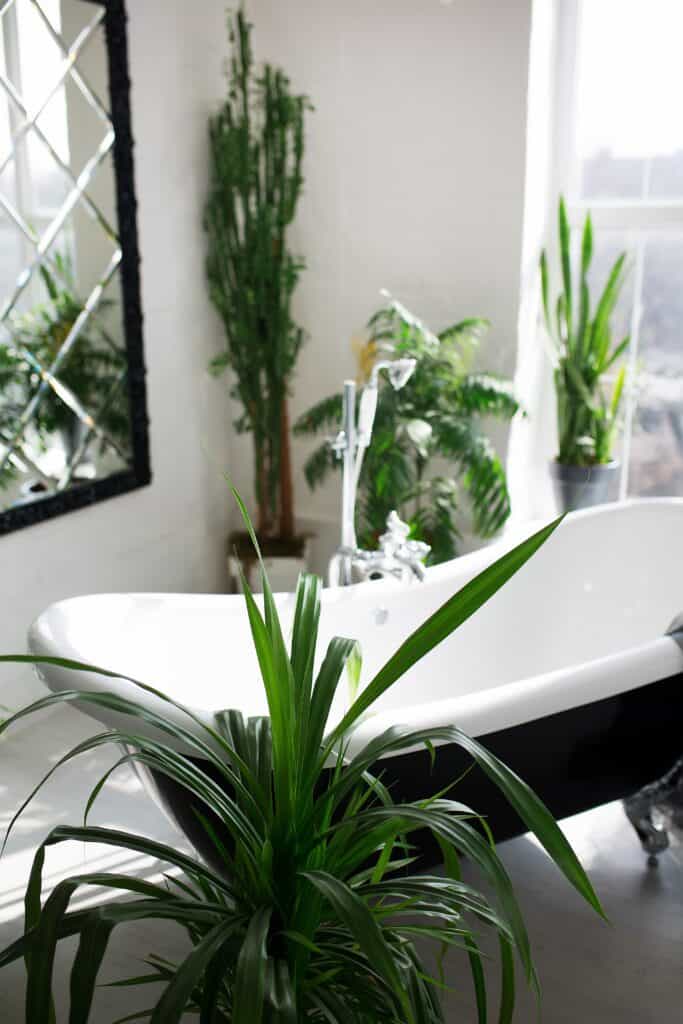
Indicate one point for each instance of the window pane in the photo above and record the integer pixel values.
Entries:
(630, 80)
(656, 459)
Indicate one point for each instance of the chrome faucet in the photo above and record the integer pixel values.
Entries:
(397, 555)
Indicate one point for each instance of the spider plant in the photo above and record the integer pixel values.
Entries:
(583, 352)
(429, 447)
(315, 904)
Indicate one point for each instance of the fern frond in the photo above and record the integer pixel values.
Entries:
(324, 415)
(485, 395)
(319, 465)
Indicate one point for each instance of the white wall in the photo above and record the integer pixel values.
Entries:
(415, 173)
(169, 536)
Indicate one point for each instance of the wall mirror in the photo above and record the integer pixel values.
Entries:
(73, 424)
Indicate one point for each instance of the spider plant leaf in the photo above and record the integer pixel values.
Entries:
(276, 696)
(507, 983)
(133, 982)
(530, 808)
(138, 844)
(136, 1015)
(92, 946)
(305, 632)
(464, 837)
(332, 1008)
(338, 653)
(250, 971)
(122, 704)
(213, 985)
(533, 813)
(442, 623)
(358, 918)
(280, 998)
(478, 978)
(172, 1005)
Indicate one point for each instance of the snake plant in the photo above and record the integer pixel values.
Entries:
(429, 447)
(583, 352)
(314, 901)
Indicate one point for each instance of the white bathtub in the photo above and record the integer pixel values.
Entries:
(584, 620)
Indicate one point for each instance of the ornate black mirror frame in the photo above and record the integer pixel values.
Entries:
(80, 495)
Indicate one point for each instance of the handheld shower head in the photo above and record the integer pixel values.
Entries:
(400, 372)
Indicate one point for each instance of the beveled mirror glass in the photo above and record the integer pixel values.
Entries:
(73, 426)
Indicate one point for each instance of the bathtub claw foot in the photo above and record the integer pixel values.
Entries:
(665, 797)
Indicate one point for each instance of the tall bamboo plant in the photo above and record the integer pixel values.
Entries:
(313, 906)
(583, 352)
(256, 146)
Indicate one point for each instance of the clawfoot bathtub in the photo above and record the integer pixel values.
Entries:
(568, 674)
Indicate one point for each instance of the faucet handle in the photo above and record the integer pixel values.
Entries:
(395, 541)
(396, 533)
(338, 443)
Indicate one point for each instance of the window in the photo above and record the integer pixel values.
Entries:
(619, 154)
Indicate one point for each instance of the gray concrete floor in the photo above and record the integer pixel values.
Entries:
(630, 971)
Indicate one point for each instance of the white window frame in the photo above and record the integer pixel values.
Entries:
(639, 217)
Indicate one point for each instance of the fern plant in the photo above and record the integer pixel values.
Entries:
(584, 353)
(429, 447)
(310, 907)
(256, 147)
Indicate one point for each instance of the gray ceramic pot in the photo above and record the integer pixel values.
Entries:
(583, 486)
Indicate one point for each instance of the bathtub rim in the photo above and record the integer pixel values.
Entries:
(477, 713)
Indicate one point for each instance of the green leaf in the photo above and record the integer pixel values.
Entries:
(507, 983)
(172, 1005)
(545, 290)
(250, 972)
(363, 926)
(586, 247)
(565, 260)
(478, 979)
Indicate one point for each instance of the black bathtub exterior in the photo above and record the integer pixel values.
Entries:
(575, 760)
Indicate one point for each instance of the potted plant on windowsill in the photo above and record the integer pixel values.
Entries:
(312, 906)
(430, 454)
(256, 145)
(588, 385)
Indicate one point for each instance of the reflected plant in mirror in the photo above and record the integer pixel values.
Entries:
(72, 400)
